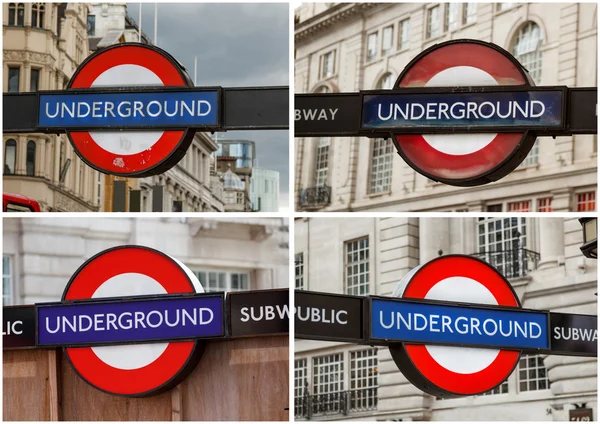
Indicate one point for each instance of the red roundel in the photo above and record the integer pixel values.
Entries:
(448, 371)
(135, 153)
(463, 159)
(139, 369)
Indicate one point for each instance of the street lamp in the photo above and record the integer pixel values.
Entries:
(590, 237)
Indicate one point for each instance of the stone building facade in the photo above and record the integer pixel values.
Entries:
(227, 254)
(542, 260)
(43, 44)
(347, 47)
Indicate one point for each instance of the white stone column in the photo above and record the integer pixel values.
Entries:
(552, 241)
(434, 235)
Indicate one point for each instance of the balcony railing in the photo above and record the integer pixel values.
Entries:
(314, 197)
(336, 403)
(512, 263)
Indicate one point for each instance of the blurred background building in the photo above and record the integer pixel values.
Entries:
(43, 44)
(347, 47)
(227, 254)
(540, 257)
(264, 190)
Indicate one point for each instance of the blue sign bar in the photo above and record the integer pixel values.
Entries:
(129, 321)
(492, 109)
(122, 110)
(398, 320)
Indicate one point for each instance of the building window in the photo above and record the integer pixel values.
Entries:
(357, 266)
(469, 13)
(532, 157)
(322, 169)
(37, 15)
(433, 22)
(381, 165)
(34, 80)
(218, 281)
(327, 64)
(240, 198)
(372, 46)
(16, 14)
(78, 49)
(544, 205)
(523, 206)
(532, 374)
(403, 34)
(586, 201)
(30, 159)
(7, 281)
(526, 49)
(10, 156)
(300, 383)
(387, 39)
(504, 6)
(494, 208)
(323, 89)
(451, 16)
(91, 25)
(498, 390)
(299, 270)
(328, 378)
(13, 80)
(501, 242)
(363, 380)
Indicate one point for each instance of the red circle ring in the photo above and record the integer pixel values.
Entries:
(178, 359)
(171, 146)
(417, 362)
(496, 160)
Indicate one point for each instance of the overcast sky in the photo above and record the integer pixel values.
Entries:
(244, 44)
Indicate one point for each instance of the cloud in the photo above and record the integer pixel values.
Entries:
(237, 45)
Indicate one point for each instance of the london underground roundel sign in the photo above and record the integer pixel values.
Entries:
(464, 159)
(134, 153)
(133, 369)
(449, 371)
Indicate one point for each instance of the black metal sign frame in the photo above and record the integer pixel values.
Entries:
(364, 321)
(266, 108)
(573, 121)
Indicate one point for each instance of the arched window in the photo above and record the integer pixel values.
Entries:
(30, 159)
(21, 14)
(385, 82)
(527, 49)
(37, 15)
(12, 13)
(10, 156)
(323, 89)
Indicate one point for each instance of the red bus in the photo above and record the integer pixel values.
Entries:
(19, 203)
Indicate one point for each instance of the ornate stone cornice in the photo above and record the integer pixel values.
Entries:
(27, 56)
(334, 15)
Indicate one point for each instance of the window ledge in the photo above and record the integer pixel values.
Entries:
(535, 166)
(373, 61)
(502, 12)
(383, 193)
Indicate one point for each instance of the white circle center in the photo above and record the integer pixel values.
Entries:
(132, 356)
(460, 144)
(126, 142)
(462, 360)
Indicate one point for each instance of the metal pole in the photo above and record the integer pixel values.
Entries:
(195, 68)
(140, 24)
(156, 24)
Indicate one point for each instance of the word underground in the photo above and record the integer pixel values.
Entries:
(129, 320)
(461, 110)
(461, 325)
(128, 109)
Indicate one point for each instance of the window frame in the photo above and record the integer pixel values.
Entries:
(33, 144)
(372, 36)
(18, 69)
(390, 49)
(299, 271)
(228, 273)
(323, 74)
(10, 297)
(350, 289)
(11, 142)
(401, 40)
(429, 35)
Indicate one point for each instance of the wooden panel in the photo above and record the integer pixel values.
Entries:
(82, 402)
(25, 393)
(239, 380)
